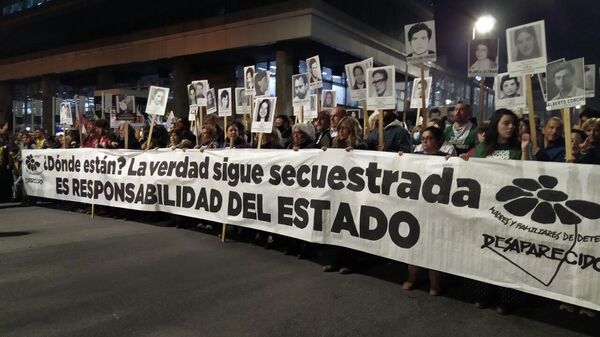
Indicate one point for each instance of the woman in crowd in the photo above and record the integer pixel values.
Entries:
(481, 130)
(176, 141)
(208, 138)
(590, 148)
(214, 120)
(501, 142)
(159, 139)
(235, 136)
(446, 146)
(577, 138)
(303, 136)
(432, 139)
(349, 137)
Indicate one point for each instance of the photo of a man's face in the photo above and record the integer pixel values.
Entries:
(379, 82)
(300, 86)
(420, 42)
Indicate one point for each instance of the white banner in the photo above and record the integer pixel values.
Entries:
(530, 226)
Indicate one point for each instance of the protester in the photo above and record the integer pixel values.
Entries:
(235, 138)
(432, 139)
(132, 142)
(214, 120)
(586, 114)
(208, 138)
(462, 133)
(176, 141)
(577, 138)
(501, 142)
(182, 126)
(446, 146)
(590, 148)
(323, 134)
(481, 130)
(283, 124)
(159, 139)
(39, 138)
(395, 136)
(552, 144)
(303, 136)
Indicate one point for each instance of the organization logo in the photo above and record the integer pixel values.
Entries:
(32, 165)
(528, 243)
(546, 202)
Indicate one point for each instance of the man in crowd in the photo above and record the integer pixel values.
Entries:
(563, 79)
(40, 138)
(282, 123)
(552, 145)
(395, 137)
(462, 134)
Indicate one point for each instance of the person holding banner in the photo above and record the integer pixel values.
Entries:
(395, 136)
(590, 149)
(283, 124)
(349, 135)
(303, 136)
(132, 142)
(176, 141)
(214, 120)
(208, 138)
(235, 139)
(323, 129)
(501, 142)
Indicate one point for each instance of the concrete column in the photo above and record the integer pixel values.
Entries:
(181, 78)
(5, 104)
(283, 80)
(48, 90)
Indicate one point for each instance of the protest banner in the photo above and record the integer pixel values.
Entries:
(526, 225)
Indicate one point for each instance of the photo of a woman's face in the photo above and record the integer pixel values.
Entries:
(481, 53)
(263, 110)
(525, 43)
(509, 87)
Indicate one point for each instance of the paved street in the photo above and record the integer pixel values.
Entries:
(65, 274)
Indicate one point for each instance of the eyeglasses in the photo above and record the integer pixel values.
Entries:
(378, 82)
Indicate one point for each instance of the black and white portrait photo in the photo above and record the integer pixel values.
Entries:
(483, 57)
(300, 89)
(125, 108)
(380, 88)
(224, 102)
(157, 100)
(526, 48)
(66, 117)
(211, 103)
(590, 80)
(262, 117)
(420, 42)
(328, 101)
(566, 86)
(191, 94)
(313, 104)
(261, 83)
(192, 112)
(314, 70)
(241, 101)
(356, 74)
(201, 90)
(354, 113)
(417, 92)
(249, 79)
(509, 91)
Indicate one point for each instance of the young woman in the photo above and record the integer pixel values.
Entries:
(590, 148)
(349, 135)
(501, 142)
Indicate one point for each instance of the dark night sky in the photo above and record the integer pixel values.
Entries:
(572, 26)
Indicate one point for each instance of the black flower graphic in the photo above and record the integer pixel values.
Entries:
(547, 204)
(31, 163)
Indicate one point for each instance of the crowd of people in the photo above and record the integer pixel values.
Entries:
(505, 136)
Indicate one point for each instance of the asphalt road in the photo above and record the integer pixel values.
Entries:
(65, 274)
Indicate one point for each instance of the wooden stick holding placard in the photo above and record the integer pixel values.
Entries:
(318, 100)
(365, 120)
(566, 112)
(64, 136)
(424, 87)
(380, 128)
(224, 128)
(126, 134)
(79, 118)
(418, 115)
(151, 130)
(302, 113)
(481, 99)
(532, 126)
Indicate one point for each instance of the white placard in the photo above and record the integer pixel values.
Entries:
(192, 113)
(380, 88)
(300, 89)
(415, 100)
(263, 115)
(565, 84)
(66, 117)
(420, 42)
(483, 57)
(261, 83)
(157, 100)
(328, 99)
(224, 102)
(356, 74)
(526, 49)
(313, 64)
(201, 88)
(590, 80)
(242, 104)
(211, 102)
(249, 80)
(509, 91)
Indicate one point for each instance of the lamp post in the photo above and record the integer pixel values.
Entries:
(484, 25)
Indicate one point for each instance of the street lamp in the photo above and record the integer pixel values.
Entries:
(484, 25)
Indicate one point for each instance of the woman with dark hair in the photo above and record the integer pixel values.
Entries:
(235, 138)
(525, 39)
(328, 100)
(224, 100)
(509, 86)
(432, 139)
(501, 142)
(214, 120)
(264, 109)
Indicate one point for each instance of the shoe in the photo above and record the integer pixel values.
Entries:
(504, 309)
(408, 285)
(345, 271)
(567, 307)
(481, 305)
(587, 312)
(329, 268)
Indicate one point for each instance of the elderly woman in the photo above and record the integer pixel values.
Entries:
(303, 136)
(235, 136)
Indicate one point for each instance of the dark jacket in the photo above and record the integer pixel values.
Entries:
(592, 156)
(554, 152)
(395, 138)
